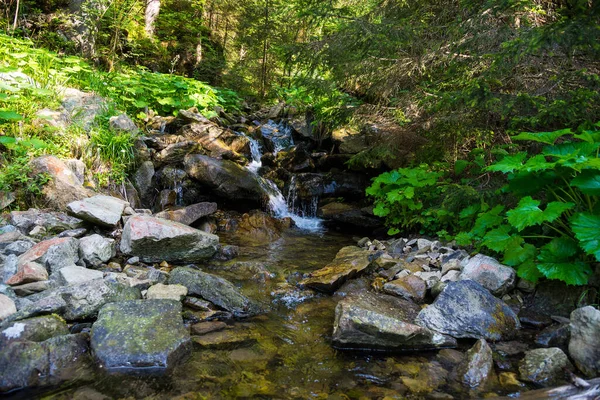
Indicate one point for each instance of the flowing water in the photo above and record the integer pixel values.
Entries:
(281, 137)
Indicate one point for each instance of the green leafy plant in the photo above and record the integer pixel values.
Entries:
(553, 229)
(423, 198)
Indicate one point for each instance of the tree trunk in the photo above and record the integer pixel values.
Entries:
(263, 85)
(152, 10)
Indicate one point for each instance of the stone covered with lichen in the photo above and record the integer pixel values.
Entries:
(379, 322)
(140, 334)
(465, 309)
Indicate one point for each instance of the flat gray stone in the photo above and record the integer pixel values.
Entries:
(140, 334)
(215, 289)
(169, 292)
(73, 275)
(7, 307)
(100, 209)
(155, 240)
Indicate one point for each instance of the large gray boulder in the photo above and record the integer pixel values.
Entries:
(32, 364)
(138, 334)
(489, 273)
(95, 249)
(226, 178)
(544, 366)
(217, 290)
(100, 210)
(155, 239)
(465, 309)
(382, 322)
(349, 262)
(584, 346)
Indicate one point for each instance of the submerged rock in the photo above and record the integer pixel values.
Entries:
(348, 263)
(584, 346)
(465, 309)
(478, 367)
(215, 289)
(383, 322)
(489, 273)
(544, 366)
(100, 209)
(32, 364)
(154, 240)
(136, 334)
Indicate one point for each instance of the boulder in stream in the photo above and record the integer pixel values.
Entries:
(155, 239)
(349, 262)
(140, 334)
(226, 178)
(478, 367)
(55, 360)
(465, 309)
(382, 322)
(215, 289)
(544, 366)
(584, 345)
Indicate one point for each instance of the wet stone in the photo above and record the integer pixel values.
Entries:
(478, 369)
(225, 339)
(544, 366)
(202, 328)
(35, 329)
(146, 334)
(554, 336)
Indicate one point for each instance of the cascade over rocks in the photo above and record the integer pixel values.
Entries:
(465, 309)
(378, 321)
(155, 239)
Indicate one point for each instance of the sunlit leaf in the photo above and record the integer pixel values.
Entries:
(586, 227)
(543, 137)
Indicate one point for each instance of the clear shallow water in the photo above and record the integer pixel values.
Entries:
(285, 353)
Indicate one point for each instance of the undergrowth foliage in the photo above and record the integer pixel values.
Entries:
(32, 79)
(549, 227)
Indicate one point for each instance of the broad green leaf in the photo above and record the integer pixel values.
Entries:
(460, 166)
(517, 255)
(488, 220)
(381, 210)
(570, 150)
(538, 163)
(586, 227)
(508, 163)
(10, 115)
(558, 249)
(463, 239)
(393, 231)
(500, 239)
(7, 140)
(543, 137)
(528, 213)
(528, 270)
(572, 273)
(589, 136)
(588, 182)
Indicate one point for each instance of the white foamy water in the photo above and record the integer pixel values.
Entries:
(277, 202)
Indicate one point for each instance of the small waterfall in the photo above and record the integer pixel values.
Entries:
(179, 192)
(279, 134)
(277, 202)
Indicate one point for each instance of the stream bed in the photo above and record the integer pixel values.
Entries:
(285, 353)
